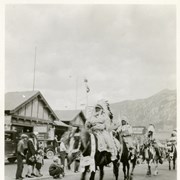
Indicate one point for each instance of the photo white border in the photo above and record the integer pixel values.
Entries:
(3, 3)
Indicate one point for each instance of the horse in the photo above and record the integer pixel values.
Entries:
(91, 157)
(127, 159)
(172, 155)
(67, 137)
(151, 157)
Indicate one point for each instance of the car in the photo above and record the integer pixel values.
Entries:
(49, 148)
(11, 140)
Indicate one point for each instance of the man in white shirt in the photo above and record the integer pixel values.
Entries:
(62, 152)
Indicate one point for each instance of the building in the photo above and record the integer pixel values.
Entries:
(139, 133)
(72, 117)
(28, 111)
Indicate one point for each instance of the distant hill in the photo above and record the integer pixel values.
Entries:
(159, 109)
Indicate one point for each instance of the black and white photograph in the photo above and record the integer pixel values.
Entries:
(90, 91)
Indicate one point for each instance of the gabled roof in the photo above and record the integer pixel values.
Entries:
(69, 115)
(15, 100)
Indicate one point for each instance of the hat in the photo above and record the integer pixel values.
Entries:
(123, 120)
(35, 133)
(23, 136)
(40, 151)
(98, 106)
(151, 128)
(174, 132)
(101, 104)
(55, 159)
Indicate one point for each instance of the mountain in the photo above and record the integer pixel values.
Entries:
(159, 109)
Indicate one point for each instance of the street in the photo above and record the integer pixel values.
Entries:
(139, 172)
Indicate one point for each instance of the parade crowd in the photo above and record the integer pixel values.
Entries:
(100, 125)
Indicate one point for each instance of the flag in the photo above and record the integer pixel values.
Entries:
(85, 80)
(87, 87)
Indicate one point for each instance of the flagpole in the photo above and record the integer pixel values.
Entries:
(86, 102)
(76, 92)
(87, 91)
(34, 69)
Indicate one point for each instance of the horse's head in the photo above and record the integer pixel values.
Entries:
(80, 142)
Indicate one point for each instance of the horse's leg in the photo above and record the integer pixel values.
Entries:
(133, 166)
(149, 168)
(83, 176)
(101, 168)
(169, 163)
(69, 162)
(128, 167)
(156, 168)
(116, 168)
(174, 163)
(124, 170)
(92, 175)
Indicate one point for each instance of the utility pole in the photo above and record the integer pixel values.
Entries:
(76, 92)
(86, 103)
(34, 74)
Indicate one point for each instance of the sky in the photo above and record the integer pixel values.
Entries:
(125, 52)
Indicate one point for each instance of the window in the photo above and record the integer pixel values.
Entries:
(8, 137)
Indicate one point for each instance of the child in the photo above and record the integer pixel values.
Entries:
(39, 161)
(55, 169)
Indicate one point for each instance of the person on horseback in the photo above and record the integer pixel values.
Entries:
(151, 140)
(171, 152)
(126, 132)
(171, 142)
(100, 125)
(173, 138)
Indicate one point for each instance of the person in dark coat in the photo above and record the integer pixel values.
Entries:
(31, 154)
(55, 143)
(20, 156)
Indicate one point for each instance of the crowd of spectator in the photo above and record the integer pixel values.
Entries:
(34, 155)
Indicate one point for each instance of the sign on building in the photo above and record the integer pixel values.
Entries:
(139, 130)
(40, 129)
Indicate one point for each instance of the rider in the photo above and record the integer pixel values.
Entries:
(100, 125)
(172, 141)
(150, 139)
(126, 131)
(173, 138)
